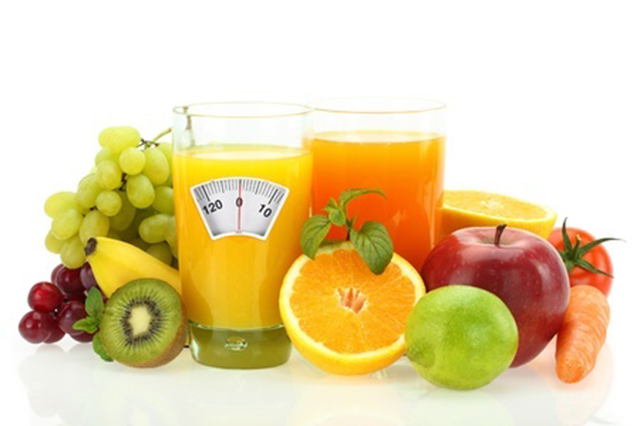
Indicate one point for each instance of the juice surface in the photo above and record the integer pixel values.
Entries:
(234, 282)
(408, 166)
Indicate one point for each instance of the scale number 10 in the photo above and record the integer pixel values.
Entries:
(266, 211)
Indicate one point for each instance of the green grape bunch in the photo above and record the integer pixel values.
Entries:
(128, 195)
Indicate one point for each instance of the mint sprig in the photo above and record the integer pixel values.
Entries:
(372, 241)
(91, 323)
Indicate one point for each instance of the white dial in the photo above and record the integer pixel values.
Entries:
(239, 206)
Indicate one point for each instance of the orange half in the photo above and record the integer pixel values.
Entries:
(342, 317)
(463, 209)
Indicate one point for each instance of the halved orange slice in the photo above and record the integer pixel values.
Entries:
(463, 209)
(342, 317)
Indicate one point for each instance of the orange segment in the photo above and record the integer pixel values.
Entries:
(342, 317)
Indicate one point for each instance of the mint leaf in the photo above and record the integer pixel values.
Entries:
(350, 194)
(94, 304)
(88, 324)
(99, 349)
(374, 245)
(337, 216)
(314, 230)
(332, 203)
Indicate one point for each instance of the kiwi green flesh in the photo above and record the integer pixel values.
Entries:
(144, 324)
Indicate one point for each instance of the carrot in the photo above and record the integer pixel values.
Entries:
(582, 334)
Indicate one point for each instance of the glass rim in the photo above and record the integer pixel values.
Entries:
(434, 105)
(302, 110)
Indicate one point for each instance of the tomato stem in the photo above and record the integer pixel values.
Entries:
(572, 254)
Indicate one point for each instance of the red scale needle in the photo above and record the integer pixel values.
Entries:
(239, 224)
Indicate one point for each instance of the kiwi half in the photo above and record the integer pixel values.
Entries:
(144, 324)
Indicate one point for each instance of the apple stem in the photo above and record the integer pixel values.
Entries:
(499, 230)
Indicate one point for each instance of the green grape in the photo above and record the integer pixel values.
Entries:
(143, 214)
(162, 252)
(153, 229)
(109, 203)
(53, 244)
(171, 236)
(139, 243)
(174, 252)
(164, 200)
(131, 232)
(72, 253)
(60, 201)
(169, 182)
(140, 191)
(132, 161)
(104, 136)
(123, 219)
(117, 139)
(156, 167)
(94, 224)
(66, 224)
(167, 150)
(115, 235)
(88, 190)
(103, 155)
(109, 175)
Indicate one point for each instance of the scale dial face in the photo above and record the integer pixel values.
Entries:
(239, 206)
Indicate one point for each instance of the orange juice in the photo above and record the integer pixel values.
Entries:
(232, 268)
(407, 165)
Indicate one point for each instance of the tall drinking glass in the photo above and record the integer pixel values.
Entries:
(242, 192)
(393, 144)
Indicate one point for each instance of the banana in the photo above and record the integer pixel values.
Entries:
(115, 263)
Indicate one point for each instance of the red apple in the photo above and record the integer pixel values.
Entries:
(522, 269)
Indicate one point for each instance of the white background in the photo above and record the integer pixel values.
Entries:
(543, 104)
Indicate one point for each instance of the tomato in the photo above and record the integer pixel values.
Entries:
(586, 259)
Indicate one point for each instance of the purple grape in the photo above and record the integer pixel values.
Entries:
(71, 312)
(44, 297)
(36, 327)
(68, 281)
(87, 278)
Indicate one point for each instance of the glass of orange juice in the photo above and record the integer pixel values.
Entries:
(394, 144)
(242, 189)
